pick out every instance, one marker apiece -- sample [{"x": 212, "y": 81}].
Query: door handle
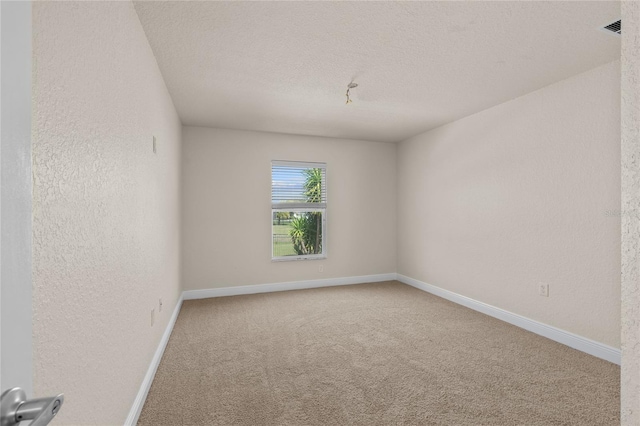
[{"x": 15, "y": 408}]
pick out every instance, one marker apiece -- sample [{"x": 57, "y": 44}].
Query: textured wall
[
  {"x": 226, "y": 212},
  {"x": 105, "y": 208},
  {"x": 630, "y": 207},
  {"x": 522, "y": 193}
]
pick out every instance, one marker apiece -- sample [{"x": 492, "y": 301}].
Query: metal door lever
[{"x": 15, "y": 408}]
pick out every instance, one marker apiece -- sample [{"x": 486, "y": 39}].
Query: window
[{"x": 298, "y": 210}]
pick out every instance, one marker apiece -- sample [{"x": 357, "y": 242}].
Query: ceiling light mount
[{"x": 350, "y": 86}]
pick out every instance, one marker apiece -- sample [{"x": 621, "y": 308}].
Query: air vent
[{"x": 614, "y": 28}]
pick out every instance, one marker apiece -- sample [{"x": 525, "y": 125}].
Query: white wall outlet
[
  {"x": 543, "y": 289},
  {"x": 321, "y": 268},
  {"x": 154, "y": 145},
  {"x": 160, "y": 305},
  {"x": 153, "y": 317}
]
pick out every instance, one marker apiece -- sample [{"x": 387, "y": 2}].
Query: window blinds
[{"x": 297, "y": 185}]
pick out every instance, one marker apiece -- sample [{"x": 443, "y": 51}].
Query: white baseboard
[
  {"x": 574, "y": 341},
  {"x": 141, "y": 397},
  {"x": 293, "y": 285}
]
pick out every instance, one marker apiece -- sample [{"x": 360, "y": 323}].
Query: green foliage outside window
[{"x": 306, "y": 228}]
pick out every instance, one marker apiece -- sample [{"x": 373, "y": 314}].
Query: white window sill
[{"x": 291, "y": 258}]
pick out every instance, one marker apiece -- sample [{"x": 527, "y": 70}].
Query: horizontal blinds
[{"x": 298, "y": 185}]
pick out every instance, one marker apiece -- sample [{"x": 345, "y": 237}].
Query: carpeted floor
[{"x": 369, "y": 354}]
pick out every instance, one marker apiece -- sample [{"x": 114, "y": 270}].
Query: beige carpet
[{"x": 369, "y": 354}]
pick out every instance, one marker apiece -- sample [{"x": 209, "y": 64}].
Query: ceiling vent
[{"x": 614, "y": 28}]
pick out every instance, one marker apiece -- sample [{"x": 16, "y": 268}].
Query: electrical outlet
[
  {"x": 154, "y": 145},
  {"x": 160, "y": 305},
  {"x": 321, "y": 268},
  {"x": 153, "y": 317},
  {"x": 543, "y": 289}
]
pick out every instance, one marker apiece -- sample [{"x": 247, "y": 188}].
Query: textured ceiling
[{"x": 284, "y": 66}]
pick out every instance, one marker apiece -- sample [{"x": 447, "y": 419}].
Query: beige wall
[
  {"x": 105, "y": 208},
  {"x": 630, "y": 207},
  {"x": 523, "y": 193},
  {"x": 227, "y": 207}
]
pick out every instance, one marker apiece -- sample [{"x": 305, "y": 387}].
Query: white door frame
[{"x": 16, "y": 353}]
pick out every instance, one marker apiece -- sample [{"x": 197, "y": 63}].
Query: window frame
[{"x": 285, "y": 207}]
